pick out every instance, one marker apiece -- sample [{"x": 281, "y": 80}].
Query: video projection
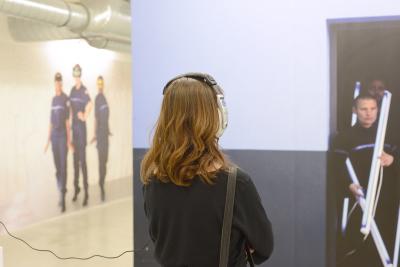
[
  {"x": 66, "y": 112},
  {"x": 365, "y": 163}
]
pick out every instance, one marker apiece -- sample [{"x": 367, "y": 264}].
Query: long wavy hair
[{"x": 185, "y": 142}]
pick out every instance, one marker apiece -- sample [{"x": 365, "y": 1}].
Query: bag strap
[{"x": 228, "y": 214}]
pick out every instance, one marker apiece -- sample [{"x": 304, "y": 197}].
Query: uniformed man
[
  {"x": 59, "y": 136},
  {"x": 102, "y": 132},
  {"x": 358, "y": 144},
  {"x": 81, "y": 106}
]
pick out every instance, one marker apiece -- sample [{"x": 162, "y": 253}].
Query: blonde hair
[{"x": 184, "y": 143}]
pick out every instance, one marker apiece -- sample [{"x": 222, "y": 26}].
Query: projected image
[
  {"x": 67, "y": 108},
  {"x": 366, "y": 146},
  {"x": 79, "y": 105},
  {"x": 66, "y": 129}
]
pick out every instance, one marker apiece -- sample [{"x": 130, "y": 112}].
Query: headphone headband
[{"x": 202, "y": 77}]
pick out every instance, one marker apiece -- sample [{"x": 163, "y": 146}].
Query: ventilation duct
[
  {"x": 53, "y": 12},
  {"x": 103, "y": 43},
  {"x": 102, "y": 23},
  {"x": 28, "y": 31}
]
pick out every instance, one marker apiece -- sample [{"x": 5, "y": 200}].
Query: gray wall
[{"x": 292, "y": 186}]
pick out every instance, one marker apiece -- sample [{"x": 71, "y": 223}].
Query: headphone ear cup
[
  {"x": 220, "y": 125},
  {"x": 222, "y": 115}
]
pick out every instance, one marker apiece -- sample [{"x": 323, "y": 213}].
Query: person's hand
[
  {"x": 46, "y": 147},
  {"x": 93, "y": 140},
  {"x": 386, "y": 159},
  {"x": 356, "y": 190},
  {"x": 81, "y": 116}
]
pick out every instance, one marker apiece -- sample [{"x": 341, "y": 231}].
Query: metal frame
[
  {"x": 380, "y": 245},
  {"x": 376, "y": 162},
  {"x": 397, "y": 242},
  {"x": 344, "y": 214},
  {"x": 357, "y": 90}
]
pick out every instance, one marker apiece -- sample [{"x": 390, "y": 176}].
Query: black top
[
  {"x": 357, "y": 143},
  {"x": 185, "y": 223},
  {"x": 59, "y": 114}
]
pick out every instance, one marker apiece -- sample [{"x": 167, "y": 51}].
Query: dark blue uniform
[
  {"x": 58, "y": 118},
  {"x": 102, "y": 113},
  {"x": 79, "y": 99}
]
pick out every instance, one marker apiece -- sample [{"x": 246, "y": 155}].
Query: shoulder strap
[{"x": 228, "y": 214}]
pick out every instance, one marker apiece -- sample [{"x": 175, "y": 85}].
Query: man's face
[
  {"x": 377, "y": 89},
  {"x": 366, "y": 111}
]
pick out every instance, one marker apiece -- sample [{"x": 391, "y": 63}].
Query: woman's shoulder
[
  {"x": 153, "y": 182},
  {"x": 242, "y": 177},
  {"x": 246, "y": 190}
]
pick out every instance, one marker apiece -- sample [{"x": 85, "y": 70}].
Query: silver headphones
[{"x": 209, "y": 80}]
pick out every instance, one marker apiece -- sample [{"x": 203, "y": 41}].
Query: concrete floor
[
  {"x": 105, "y": 229},
  {"x": 41, "y": 204}
]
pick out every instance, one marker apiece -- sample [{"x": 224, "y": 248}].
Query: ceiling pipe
[
  {"x": 103, "y": 43},
  {"x": 54, "y": 12},
  {"x": 28, "y": 31},
  {"x": 102, "y": 23},
  {"x": 109, "y": 18}
]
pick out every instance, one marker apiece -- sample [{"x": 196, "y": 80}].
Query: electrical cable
[{"x": 144, "y": 248}]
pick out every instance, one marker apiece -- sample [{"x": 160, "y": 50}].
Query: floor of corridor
[{"x": 105, "y": 229}]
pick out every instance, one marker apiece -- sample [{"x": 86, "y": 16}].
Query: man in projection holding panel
[{"x": 358, "y": 143}]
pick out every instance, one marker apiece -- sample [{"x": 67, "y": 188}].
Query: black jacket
[
  {"x": 357, "y": 143},
  {"x": 185, "y": 222}
]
